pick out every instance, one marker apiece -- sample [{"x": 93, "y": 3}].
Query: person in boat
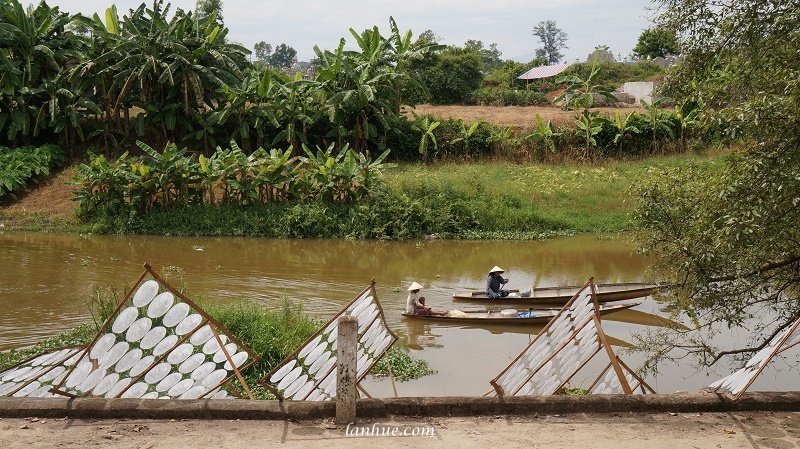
[
  {"x": 495, "y": 283},
  {"x": 416, "y": 305},
  {"x": 412, "y": 302}
]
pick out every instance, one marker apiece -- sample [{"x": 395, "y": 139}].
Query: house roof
[{"x": 544, "y": 71}]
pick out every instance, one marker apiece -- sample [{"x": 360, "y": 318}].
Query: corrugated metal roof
[{"x": 544, "y": 71}]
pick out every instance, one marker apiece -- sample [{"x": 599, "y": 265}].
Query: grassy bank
[{"x": 459, "y": 201}]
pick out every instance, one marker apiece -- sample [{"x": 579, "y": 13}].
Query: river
[{"x": 46, "y": 282}]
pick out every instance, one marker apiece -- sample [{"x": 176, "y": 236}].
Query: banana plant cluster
[
  {"x": 19, "y": 166},
  {"x": 71, "y": 78},
  {"x": 176, "y": 178},
  {"x": 175, "y": 77},
  {"x": 354, "y": 99}
]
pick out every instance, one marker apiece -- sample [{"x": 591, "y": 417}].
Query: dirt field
[
  {"x": 519, "y": 116},
  {"x": 752, "y": 430}
]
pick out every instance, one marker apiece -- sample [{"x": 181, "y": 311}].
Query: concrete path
[
  {"x": 692, "y": 420},
  {"x": 775, "y": 430}
]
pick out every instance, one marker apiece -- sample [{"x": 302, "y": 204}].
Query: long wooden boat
[
  {"x": 511, "y": 316},
  {"x": 555, "y": 296}
]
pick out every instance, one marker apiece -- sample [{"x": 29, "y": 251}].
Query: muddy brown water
[{"x": 46, "y": 282}]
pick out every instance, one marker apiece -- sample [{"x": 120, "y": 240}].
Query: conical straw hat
[
  {"x": 497, "y": 269},
  {"x": 415, "y": 286}
]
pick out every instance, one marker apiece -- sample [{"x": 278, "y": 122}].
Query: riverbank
[{"x": 460, "y": 201}]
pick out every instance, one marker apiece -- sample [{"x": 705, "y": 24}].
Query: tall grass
[{"x": 526, "y": 201}]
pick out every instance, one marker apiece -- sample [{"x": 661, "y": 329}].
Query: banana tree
[
  {"x": 371, "y": 170},
  {"x": 174, "y": 64},
  {"x": 101, "y": 184},
  {"x": 238, "y": 174},
  {"x": 295, "y": 113},
  {"x": 405, "y": 50},
  {"x": 36, "y": 49},
  {"x": 624, "y": 128},
  {"x": 688, "y": 116},
  {"x": 464, "y": 134},
  {"x": 580, "y": 93},
  {"x": 545, "y": 133},
  {"x": 658, "y": 119},
  {"x": 426, "y": 126},
  {"x": 503, "y": 139},
  {"x": 319, "y": 176},
  {"x": 275, "y": 173},
  {"x": 589, "y": 124},
  {"x": 171, "y": 174}
]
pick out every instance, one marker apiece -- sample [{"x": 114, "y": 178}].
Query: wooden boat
[
  {"x": 511, "y": 316},
  {"x": 558, "y": 296}
]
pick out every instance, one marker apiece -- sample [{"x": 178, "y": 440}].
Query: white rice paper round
[
  {"x": 142, "y": 365},
  {"x": 118, "y": 387},
  {"x": 160, "y": 305},
  {"x": 136, "y": 390},
  {"x": 158, "y": 372},
  {"x": 278, "y": 375},
  {"x": 203, "y": 370},
  {"x": 124, "y": 320},
  {"x": 138, "y": 329},
  {"x": 212, "y": 346},
  {"x": 102, "y": 345},
  {"x": 214, "y": 378},
  {"x": 79, "y": 374},
  {"x": 180, "y": 387},
  {"x": 128, "y": 360},
  {"x": 105, "y": 384},
  {"x": 91, "y": 380},
  {"x": 165, "y": 344},
  {"x": 188, "y": 324},
  {"x": 114, "y": 354},
  {"x": 153, "y": 337},
  {"x": 177, "y": 313},
  {"x": 146, "y": 293},
  {"x": 201, "y": 335},
  {"x": 194, "y": 392},
  {"x": 220, "y": 356},
  {"x": 181, "y": 353},
  {"x": 167, "y": 382},
  {"x": 192, "y": 363},
  {"x": 238, "y": 359},
  {"x": 27, "y": 389}
]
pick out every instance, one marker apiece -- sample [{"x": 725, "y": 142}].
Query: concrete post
[{"x": 346, "y": 373}]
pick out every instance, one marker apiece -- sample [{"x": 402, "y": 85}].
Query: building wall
[{"x": 641, "y": 90}]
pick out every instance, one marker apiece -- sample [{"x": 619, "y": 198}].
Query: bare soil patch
[
  {"x": 517, "y": 116},
  {"x": 51, "y": 197}
]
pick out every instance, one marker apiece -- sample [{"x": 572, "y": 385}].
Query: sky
[{"x": 302, "y": 24}]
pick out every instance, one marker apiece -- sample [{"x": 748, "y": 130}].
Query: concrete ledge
[{"x": 95, "y": 408}]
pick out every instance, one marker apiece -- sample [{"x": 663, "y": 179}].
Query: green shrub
[
  {"x": 503, "y": 96},
  {"x": 403, "y": 366},
  {"x": 19, "y": 166}
]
